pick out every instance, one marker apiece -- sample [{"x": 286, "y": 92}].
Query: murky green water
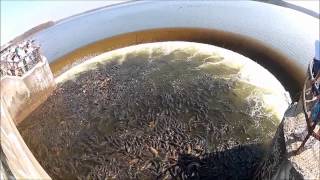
[{"x": 157, "y": 111}]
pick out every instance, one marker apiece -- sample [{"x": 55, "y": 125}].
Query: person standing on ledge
[
  {"x": 313, "y": 118},
  {"x": 316, "y": 60}
]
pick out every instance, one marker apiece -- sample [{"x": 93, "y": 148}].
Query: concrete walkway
[{"x": 307, "y": 163}]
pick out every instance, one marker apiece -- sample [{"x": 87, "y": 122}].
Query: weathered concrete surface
[
  {"x": 280, "y": 163},
  {"x": 20, "y": 96},
  {"x": 16, "y": 155},
  {"x": 306, "y": 163}
]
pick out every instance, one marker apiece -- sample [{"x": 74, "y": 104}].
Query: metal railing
[
  {"x": 15, "y": 64},
  {"x": 308, "y": 102}
]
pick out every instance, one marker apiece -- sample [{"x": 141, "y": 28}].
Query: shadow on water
[{"x": 239, "y": 162}]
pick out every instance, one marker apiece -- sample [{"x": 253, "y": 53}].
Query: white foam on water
[{"x": 275, "y": 97}]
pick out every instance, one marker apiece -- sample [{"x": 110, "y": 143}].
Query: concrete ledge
[
  {"x": 280, "y": 164},
  {"x": 19, "y": 97},
  {"x": 307, "y": 163},
  {"x": 23, "y": 94}
]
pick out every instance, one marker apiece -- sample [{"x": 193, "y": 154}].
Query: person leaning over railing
[{"x": 314, "y": 118}]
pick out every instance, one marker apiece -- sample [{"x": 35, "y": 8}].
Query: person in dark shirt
[
  {"x": 316, "y": 70},
  {"x": 315, "y": 111},
  {"x": 315, "y": 114},
  {"x": 314, "y": 118},
  {"x": 316, "y": 59}
]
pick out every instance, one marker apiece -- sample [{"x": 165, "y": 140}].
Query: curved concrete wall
[
  {"x": 19, "y": 97},
  {"x": 289, "y": 31}
]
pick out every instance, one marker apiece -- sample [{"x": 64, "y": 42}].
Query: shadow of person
[{"x": 239, "y": 162}]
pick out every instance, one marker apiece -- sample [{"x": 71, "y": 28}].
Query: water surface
[{"x": 159, "y": 110}]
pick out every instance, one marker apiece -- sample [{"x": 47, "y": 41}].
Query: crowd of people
[{"x": 18, "y": 59}]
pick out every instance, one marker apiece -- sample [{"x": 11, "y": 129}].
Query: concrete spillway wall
[
  {"x": 275, "y": 27},
  {"x": 281, "y": 163},
  {"x": 26, "y": 92},
  {"x": 19, "y": 97}
]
